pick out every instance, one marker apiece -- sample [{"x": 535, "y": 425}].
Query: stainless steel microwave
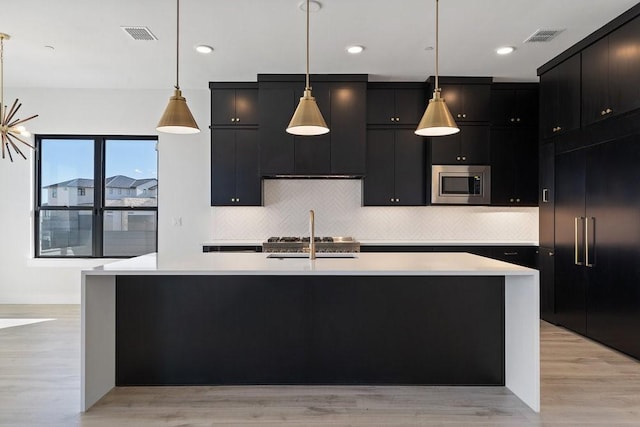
[{"x": 460, "y": 185}]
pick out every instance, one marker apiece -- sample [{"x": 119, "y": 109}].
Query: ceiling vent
[
  {"x": 543, "y": 36},
  {"x": 139, "y": 33}
]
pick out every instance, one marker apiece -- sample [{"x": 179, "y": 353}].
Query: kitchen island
[{"x": 377, "y": 318}]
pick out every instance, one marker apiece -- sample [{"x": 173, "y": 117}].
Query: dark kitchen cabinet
[
  {"x": 598, "y": 243},
  {"x": 468, "y": 98},
  {"x": 514, "y": 104},
  {"x": 546, "y": 258},
  {"x": 396, "y": 168},
  {"x": 546, "y": 194},
  {"x": 393, "y": 104},
  {"x": 611, "y": 74},
  {"x": 343, "y": 106},
  {"x": 234, "y": 104},
  {"x": 514, "y": 166},
  {"x": 560, "y": 98},
  {"x": 235, "y": 176},
  {"x": 469, "y": 146}
]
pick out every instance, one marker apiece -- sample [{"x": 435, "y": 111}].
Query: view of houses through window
[{"x": 97, "y": 197}]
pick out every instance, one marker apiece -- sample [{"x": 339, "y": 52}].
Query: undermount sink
[{"x": 282, "y": 255}]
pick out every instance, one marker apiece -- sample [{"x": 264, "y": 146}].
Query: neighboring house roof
[
  {"x": 117, "y": 181},
  {"x": 77, "y": 182}
]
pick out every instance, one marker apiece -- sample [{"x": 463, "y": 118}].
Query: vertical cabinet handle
[
  {"x": 576, "y": 247},
  {"x": 545, "y": 195},
  {"x": 586, "y": 239}
]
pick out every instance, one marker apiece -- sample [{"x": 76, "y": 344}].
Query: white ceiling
[{"x": 267, "y": 36}]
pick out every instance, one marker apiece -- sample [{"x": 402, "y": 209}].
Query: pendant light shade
[
  {"x": 177, "y": 118},
  {"x": 437, "y": 119},
  {"x": 307, "y": 120}
]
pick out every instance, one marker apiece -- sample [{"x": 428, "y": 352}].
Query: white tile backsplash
[{"x": 338, "y": 212}]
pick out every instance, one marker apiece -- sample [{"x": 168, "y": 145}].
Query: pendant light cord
[
  {"x": 1, "y": 73},
  {"x": 177, "y": 86},
  {"x": 437, "y": 85},
  {"x": 307, "y": 80}
]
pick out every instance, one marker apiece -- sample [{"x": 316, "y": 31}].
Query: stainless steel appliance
[
  {"x": 301, "y": 244},
  {"x": 461, "y": 185}
]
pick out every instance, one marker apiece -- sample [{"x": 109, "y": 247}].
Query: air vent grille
[
  {"x": 139, "y": 33},
  {"x": 543, "y": 36}
]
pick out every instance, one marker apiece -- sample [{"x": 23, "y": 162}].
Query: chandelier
[{"x": 12, "y": 129}]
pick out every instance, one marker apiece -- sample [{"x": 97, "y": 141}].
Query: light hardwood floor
[{"x": 583, "y": 384}]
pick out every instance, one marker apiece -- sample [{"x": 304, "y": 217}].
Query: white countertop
[
  {"x": 374, "y": 264},
  {"x": 391, "y": 243}
]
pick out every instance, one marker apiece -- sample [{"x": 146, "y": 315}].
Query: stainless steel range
[{"x": 301, "y": 244}]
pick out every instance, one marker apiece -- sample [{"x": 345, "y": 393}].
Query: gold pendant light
[
  {"x": 177, "y": 118},
  {"x": 307, "y": 119},
  {"x": 437, "y": 119},
  {"x": 11, "y": 129}
]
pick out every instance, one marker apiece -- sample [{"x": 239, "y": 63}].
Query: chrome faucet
[{"x": 312, "y": 236}]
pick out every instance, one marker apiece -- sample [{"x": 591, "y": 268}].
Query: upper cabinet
[
  {"x": 514, "y": 104},
  {"x": 611, "y": 74},
  {"x": 560, "y": 98},
  {"x": 395, "y": 103},
  {"x": 342, "y": 102},
  {"x": 468, "y": 98},
  {"x": 234, "y": 104}
]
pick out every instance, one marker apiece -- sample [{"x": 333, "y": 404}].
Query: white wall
[{"x": 185, "y": 218}]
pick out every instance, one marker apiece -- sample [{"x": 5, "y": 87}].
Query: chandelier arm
[
  {"x": 13, "y": 135},
  {"x": 17, "y": 122},
  {"x": 15, "y": 147},
  {"x": 12, "y": 111},
  {"x": 3, "y": 143}
]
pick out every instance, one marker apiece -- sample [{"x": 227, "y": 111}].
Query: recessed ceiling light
[
  {"x": 203, "y": 48},
  {"x": 355, "y": 49},
  {"x": 314, "y": 6},
  {"x": 505, "y": 50}
]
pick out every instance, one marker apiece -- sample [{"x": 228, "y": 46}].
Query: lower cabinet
[
  {"x": 396, "y": 169},
  {"x": 235, "y": 168}
]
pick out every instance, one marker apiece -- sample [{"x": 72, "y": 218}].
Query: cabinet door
[
  {"x": 276, "y": 145},
  {"x": 445, "y": 150},
  {"x": 381, "y": 106},
  {"x": 624, "y": 67},
  {"x": 348, "y": 128},
  {"x": 613, "y": 210},
  {"x": 568, "y": 107},
  {"x": 546, "y": 195},
  {"x": 223, "y": 167},
  {"x": 503, "y": 107},
  {"x": 526, "y": 107},
  {"x": 477, "y": 103},
  {"x": 378, "y": 184},
  {"x": 503, "y": 166},
  {"x": 223, "y": 106},
  {"x": 525, "y": 160},
  {"x": 409, "y": 105},
  {"x": 410, "y": 169},
  {"x": 248, "y": 181},
  {"x": 570, "y": 289},
  {"x": 595, "y": 81},
  {"x": 546, "y": 265},
  {"x": 474, "y": 145},
  {"x": 548, "y": 102},
  {"x": 246, "y": 107}
]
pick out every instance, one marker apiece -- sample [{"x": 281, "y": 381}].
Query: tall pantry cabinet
[{"x": 592, "y": 286}]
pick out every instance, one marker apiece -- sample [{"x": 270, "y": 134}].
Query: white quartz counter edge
[
  {"x": 391, "y": 243},
  {"x": 382, "y": 263}
]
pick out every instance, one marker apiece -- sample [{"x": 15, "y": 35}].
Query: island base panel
[{"x": 205, "y": 330}]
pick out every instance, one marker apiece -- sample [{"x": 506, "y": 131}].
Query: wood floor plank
[{"x": 582, "y": 383}]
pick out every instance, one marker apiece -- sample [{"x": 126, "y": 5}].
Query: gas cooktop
[{"x": 301, "y": 244}]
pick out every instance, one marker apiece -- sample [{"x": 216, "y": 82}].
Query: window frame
[{"x": 99, "y": 206}]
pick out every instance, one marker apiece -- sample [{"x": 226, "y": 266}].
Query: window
[{"x": 86, "y": 220}]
